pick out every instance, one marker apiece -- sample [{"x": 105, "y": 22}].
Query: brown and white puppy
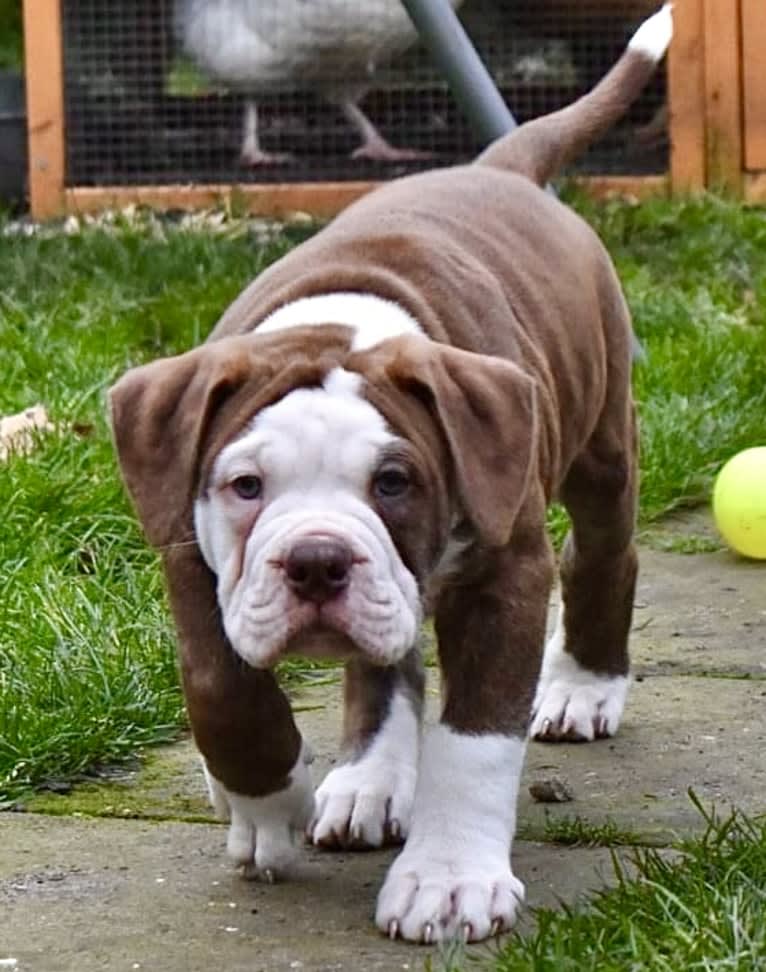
[{"x": 373, "y": 432}]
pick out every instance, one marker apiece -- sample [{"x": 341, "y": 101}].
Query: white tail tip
[{"x": 653, "y": 37}]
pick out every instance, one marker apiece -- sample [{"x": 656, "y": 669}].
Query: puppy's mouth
[{"x": 318, "y": 638}]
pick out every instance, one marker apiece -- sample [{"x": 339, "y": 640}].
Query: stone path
[{"x": 144, "y": 883}]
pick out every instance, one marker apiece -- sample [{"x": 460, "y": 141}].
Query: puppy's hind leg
[{"x": 584, "y": 680}]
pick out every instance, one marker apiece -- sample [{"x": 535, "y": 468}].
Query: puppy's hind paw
[{"x": 578, "y": 707}]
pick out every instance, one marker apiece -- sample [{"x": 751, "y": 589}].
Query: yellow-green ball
[{"x": 739, "y": 502}]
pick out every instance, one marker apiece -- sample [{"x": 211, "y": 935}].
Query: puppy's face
[
  {"x": 320, "y": 483},
  {"x": 316, "y": 520}
]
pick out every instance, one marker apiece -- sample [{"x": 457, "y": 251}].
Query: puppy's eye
[
  {"x": 247, "y": 487},
  {"x": 391, "y": 482}
]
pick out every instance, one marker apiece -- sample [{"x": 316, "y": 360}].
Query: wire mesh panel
[{"x": 214, "y": 91}]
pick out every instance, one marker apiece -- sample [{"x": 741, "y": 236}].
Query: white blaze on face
[{"x": 305, "y": 465}]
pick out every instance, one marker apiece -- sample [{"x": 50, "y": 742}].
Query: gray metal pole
[{"x": 455, "y": 56}]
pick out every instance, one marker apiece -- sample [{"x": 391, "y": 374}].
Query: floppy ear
[
  {"x": 487, "y": 409},
  {"x": 160, "y": 415},
  {"x": 168, "y": 415}
]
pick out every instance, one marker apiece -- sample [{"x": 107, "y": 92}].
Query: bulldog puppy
[{"x": 372, "y": 433}]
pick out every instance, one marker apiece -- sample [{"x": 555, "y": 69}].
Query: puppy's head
[{"x": 322, "y": 484}]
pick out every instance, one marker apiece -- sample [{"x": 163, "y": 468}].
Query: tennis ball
[{"x": 739, "y": 502}]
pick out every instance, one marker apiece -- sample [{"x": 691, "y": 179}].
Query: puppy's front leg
[
  {"x": 265, "y": 830},
  {"x": 454, "y": 875},
  {"x": 256, "y": 764}
]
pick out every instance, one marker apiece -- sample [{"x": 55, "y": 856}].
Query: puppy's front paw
[
  {"x": 453, "y": 877},
  {"x": 363, "y": 805},
  {"x": 430, "y": 895},
  {"x": 264, "y": 832},
  {"x": 573, "y": 704}
]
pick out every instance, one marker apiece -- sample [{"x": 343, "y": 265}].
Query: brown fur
[
  {"x": 241, "y": 719},
  {"x": 521, "y": 395}
]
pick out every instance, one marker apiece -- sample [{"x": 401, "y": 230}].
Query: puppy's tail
[{"x": 541, "y": 148}]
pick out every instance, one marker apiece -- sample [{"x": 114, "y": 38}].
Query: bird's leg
[
  {"x": 655, "y": 130},
  {"x": 374, "y": 146},
  {"x": 251, "y": 153}
]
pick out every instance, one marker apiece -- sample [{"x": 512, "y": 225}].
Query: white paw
[
  {"x": 578, "y": 709},
  {"x": 359, "y": 806},
  {"x": 368, "y": 803},
  {"x": 572, "y": 703},
  {"x": 453, "y": 877},
  {"x": 264, "y": 832},
  {"x": 429, "y": 896}
]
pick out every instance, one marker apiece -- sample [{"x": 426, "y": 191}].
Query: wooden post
[
  {"x": 43, "y": 60},
  {"x": 723, "y": 94},
  {"x": 686, "y": 97},
  {"x": 754, "y": 82}
]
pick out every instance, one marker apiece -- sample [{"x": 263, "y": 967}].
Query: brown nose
[{"x": 318, "y": 568}]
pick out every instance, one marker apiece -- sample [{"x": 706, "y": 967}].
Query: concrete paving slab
[
  {"x": 89, "y": 894},
  {"x": 679, "y": 732},
  {"x": 700, "y": 614},
  {"x": 79, "y": 895},
  {"x": 128, "y": 890}
]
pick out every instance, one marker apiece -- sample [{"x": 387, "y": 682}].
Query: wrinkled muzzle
[{"x": 321, "y": 583}]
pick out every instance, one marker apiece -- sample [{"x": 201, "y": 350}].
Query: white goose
[{"x": 332, "y": 47}]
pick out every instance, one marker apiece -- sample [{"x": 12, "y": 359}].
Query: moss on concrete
[{"x": 164, "y": 784}]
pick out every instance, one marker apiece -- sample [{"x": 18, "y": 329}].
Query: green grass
[
  {"x": 87, "y": 667},
  {"x": 700, "y": 909},
  {"x": 577, "y": 832},
  {"x": 87, "y": 671},
  {"x": 684, "y": 543},
  {"x": 693, "y": 275},
  {"x": 11, "y": 54}
]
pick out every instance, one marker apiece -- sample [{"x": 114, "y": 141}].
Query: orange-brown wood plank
[
  {"x": 624, "y": 187},
  {"x": 755, "y": 188},
  {"x": 686, "y": 96},
  {"x": 754, "y": 82},
  {"x": 279, "y": 201},
  {"x": 45, "y": 106},
  {"x": 282, "y": 201},
  {"x": 723, "y": 93}
]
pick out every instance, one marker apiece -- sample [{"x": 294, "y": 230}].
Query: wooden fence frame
[{"x": 716, "y": 112}]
